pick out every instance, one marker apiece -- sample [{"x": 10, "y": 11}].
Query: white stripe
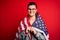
[
  {"x": 22, "y": 25},
  {"x": 41, "y": 32},
  {"x": 25, "y": 21},
  {"x": 16, "y": 35},
  {"x": 48, "y": 36}
]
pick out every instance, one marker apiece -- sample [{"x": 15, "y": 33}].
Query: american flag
[{"x": 39, "y": 25}]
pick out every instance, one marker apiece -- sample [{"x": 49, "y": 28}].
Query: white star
[
  {"x": 40, "y": 25},
  {"x": 38, "y": 18},
  {"x": 36, "y": 25},
  {"x": 43, "y": 27},
  {"x": 36, "y": 22},
  {"x": 41, "y": 19},
  {"x": 39, "y": 15}
]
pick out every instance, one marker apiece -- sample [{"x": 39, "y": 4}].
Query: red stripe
[
  {"x": 20, "y": 28},
  {"x": 24, "y": 26},
  {"x": 30, "y": 26},
  {"x": 30, "y": 36},
  {"x": 28, "y": 22}
]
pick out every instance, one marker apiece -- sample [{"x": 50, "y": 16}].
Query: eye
[
  {"x": 29, "y": 9},
  {"x": 33, "y": 9}
]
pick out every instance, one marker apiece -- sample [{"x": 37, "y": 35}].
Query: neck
[{"x": 32, "y": 18}]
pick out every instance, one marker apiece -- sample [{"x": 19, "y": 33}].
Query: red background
[{"x": 12, "y": 11}]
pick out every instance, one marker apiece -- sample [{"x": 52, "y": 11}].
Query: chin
[{"x": 31, "y": 15}]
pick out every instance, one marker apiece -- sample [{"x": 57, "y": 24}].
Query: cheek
[
  {"x": 28, "y": 11},
  {"x": 34, "y": 11}
]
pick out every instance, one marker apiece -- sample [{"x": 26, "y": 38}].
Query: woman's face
[{"x": 32, "y": 10}]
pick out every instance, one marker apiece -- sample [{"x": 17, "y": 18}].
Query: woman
[{"x": 32, "y": 26}]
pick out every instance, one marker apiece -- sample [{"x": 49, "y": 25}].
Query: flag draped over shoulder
[{"x": 39, "y": 25}]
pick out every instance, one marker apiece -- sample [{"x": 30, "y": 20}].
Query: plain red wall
[{"x": 12, "y": 11}]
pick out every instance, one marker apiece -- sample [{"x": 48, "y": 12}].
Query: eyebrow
[{"x": 32, "y": 8}]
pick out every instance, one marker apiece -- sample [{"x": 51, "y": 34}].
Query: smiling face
[{"x": 32, "y": 10}]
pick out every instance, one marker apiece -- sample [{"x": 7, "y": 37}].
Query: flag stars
[
  {"x": 40, "y": 25},
  {"x": 39, "y": 15},
  {"x": 43, "y": 27},
  {"x": 41, "y": 20},
  {"x": 36, "y": 25},
  {"x": 38, "y": 18},
  {"x": 36, "y": 22}
]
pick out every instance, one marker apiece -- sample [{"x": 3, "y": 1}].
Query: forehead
[{"x": 31, "y": 6}]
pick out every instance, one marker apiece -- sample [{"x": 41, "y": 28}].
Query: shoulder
[{"x": 23, "y": 19}]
